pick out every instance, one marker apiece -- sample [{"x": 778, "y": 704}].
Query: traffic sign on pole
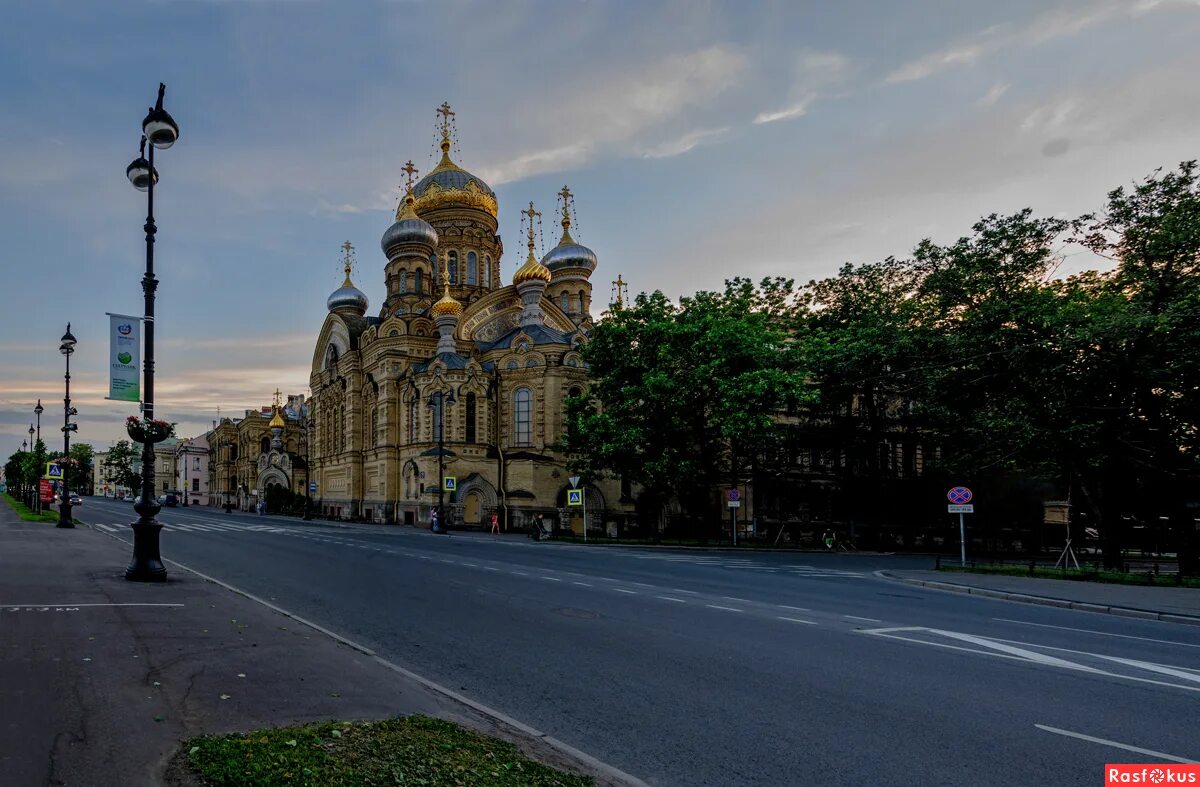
[
  {"x": 733, "y": 496},
  {"x": 574, "y": 481},
  {"x": 959, "y": 495},
  {"x": 312, "y": 486},
  {"x": 961, "y": 509},
  {"x": 574, "y": 497},
  {"x": 451, "y": 483},
  {"x": 53, "y": 471}
]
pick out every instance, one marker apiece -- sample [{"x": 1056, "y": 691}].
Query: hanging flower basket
[{"x": 148, "y": 431}]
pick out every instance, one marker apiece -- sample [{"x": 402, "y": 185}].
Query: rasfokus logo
[
  {"x": 124, "y": 329},
  {"x": 1151, "y": 773}
]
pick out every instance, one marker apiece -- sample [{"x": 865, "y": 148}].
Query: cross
[
  {"x": 531, "y": 213},
  {"x": 277, "y": 397},
  {"x": 565, "y": 194},
  {"x": 411, "y": 173},
  {"x": 445, "y": 271},
  {"x": 444, "y": 111}
]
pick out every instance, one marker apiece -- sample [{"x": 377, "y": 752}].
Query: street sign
[
  {"x": 53, "y": 471},
  {"x": 959, "y": 495},
  {"x": 733, "y": 496},
  {"x": 45, "y": 491},
  {"x": 734, "y": 504},
  {"x": 451, "y": 483},
  {"x": 961, "y": 509},
  {"x": 312, "y": 486},
  {"x": 574, "y": 481},
  {"x": 574, "y": 497}
]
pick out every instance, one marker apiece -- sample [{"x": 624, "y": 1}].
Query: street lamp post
[
  {"x": 36, "y": 502},
  {"x": 307, "y": 420},
  {"x": 64, "y": 511},
  {"x": 38, "y": 412},
  {"x": 438, "y": 402},
  {"x": 161, "y": 131}
]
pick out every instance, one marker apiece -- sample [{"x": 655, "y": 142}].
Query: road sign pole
[
  {"x": 962, "y": 540},
  {"x": 585, "y": 521},
  {"x": 733, "y": 524}
]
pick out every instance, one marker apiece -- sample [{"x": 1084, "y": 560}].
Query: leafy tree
[
  {"x": 682, "y": 394},
  {"x": 121, "y": 458}
]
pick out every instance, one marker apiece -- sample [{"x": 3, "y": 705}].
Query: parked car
[{"x": 169, "y": 500}]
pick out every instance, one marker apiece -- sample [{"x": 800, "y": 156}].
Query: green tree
[
  {"x": 682, "y": 396},
  {"x": 121, "y": 458}
]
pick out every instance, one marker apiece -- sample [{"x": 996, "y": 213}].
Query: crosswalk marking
[{"x": 747, "y": 564}]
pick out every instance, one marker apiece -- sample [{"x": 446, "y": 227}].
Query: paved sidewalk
[
  {"x": 101, "y": 678},
  {"x": 1180, "y": 605}
]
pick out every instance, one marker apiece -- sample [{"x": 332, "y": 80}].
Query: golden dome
[
  {"x": 277, "y": 421},
  {"x": 449, "y": 184},
  {"x": 532, "y": 269},
  {"x": 446, "y": 305}
]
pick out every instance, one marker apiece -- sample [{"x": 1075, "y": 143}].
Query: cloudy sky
[{"x": 702, "y": 139}]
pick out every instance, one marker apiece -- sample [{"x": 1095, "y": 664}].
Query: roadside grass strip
[
  {"x": 409, "y": 750},
  {"x": 23, "y": 511}
]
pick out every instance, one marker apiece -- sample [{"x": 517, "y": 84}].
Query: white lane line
[
  {"x": 796, "y": 609},
  {"x": 1155, "y": 754},
  {"x": 490, "y": 568},
  {"x": 622, "y": 590},
  {"x": 727, "y": 609},
  {"x": 552, "y": 579},
  {"x": 519, "y": 573},
  {"x": 797, "y": 620},
  {"x": 641, "y": 584},
  {"x": 472, "y": 565},
  {"x": 869, "y": 620},
  {"x": 670, "y": 598},
  {"x": 681, "y": 590},
  {"x": 735, "y": 598},
  {"x": 106, "y": 528},
  {"x": 581, "y": 584},
  {"x": 1093, "y": 631}
]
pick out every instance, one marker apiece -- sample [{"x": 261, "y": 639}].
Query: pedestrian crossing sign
[
  {"x": 451, "y": 483},
  {"x": 53, "y": 471},
  {"x": 574, "y": 497}
]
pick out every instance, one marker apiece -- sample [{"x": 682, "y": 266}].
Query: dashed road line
[
  {"x": 622, "y": 590},
  {"x": 552, "y": 579},
  {"x": 581, "y": 584},
  {"x": 797, "y": 620},
  {"x": 869, "y": 620},
  {"x": 727, "y": 609},
  {"x": 794, "y": 609},
  {"x": 671, "y": 598}
]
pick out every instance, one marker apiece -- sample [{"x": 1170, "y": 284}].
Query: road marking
[
  {"x": 1155, "y": 754},
  {"x": 489, "y": 568},
  {"x": 798, "y": 620},
  {"x": 472, "y": 565},
  {"x": 797, "y": 609},
  {"x": 1029, "y": 655},
  {"x": 622, "y": 590},
  {"x": 581, "y": 584},
  {"x": 669, "y": 598},
  {"x": 641, "y": 584},
  {"x": 552, "y": 579},
  {"x": 681, "y": 590},
  {"x": 735, "y": 598},
  {"x": 1093, "y": 631},
  {"x": 856, "y": 617},
  {"x": 93, "y": 605},
  {"x": 107, "y": 528},
  {"x": 519, "y": 573},
  {"x": 727, "y": 609}
]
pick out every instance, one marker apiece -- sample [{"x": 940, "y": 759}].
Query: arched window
[
  {"x": 331, "y": 357},
  {"x": 564, "y": 301},
  {"x": 403, "y": 281},
  {"x": 532, "y": 362},
  {"x": 438, "y": 423},
  {"x": 419, "y": 287},
  {"x": 412, "y": 420},
  {"x": 575, "y": 392},
  {"x": 452, "y": 266},
  {"x": 581, "y": 302},
  {"x": 433, "y": 261},
  {"x": 523, "y": 416},
  {"x": 487, "y": 270},
  {"x": 470, "y": 408},
  {"x": 512, "y": 365},
  {"x": 471, "y": 258},
  {"x": 374, "y": 428},
  {"x": 265, "y": 445}
]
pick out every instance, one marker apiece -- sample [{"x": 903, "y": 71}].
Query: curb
[
  {"x": 585, "y": 762},
  {"x": 1045, "y": 601}
]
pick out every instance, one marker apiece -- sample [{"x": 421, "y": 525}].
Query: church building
[{"x": 456, "y": 376}]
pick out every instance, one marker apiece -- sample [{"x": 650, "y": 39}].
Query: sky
[{"x": 702, "y": 139}]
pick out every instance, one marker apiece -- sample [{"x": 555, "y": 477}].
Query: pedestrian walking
[
  {"x": 433, "y": 521},
  {"x": 262, "y": 507},
  {"x": 495, "y": 524}
]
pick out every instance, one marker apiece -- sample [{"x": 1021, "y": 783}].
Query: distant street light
[
  {"x": 161, "y": 131},
  {"x": 64, "y": 511}
]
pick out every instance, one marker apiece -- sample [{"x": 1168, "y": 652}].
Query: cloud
[
  {"x": 993, "y": 95},
  {"x": 688, "y": 141},
  {"x": 1049, "y": 26},
  {"x": 610, "y": 111},
  {"x": 816, "y": 72}
]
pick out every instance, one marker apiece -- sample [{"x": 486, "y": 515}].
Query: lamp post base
[
  {"x": 64, "y": 516},
  {"x": 146, "y": 565}
]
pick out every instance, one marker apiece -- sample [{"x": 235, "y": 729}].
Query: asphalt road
[{"x": 711, "y": 668}]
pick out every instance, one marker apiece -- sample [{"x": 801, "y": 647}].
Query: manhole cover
[{"x": 571, "y": 612}]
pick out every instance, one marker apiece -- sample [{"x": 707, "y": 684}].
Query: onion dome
[
  {"x": 277, "y": 421},
  {"x": 409, "y": 228},
  {"x": 347, "y": 297},
  {"x": 449, "y": 184},
  {"x": 446, "y": 305},
  {"x": 532, "y": 269},
  {"x": 568, "y": 253}
]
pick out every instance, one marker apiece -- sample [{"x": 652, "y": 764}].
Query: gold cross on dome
[
  {"x": 277, "y": 398},
  {"x": 531, "y": 214},
  {"x": 444, "y": 111},
  {"x": 411, "y": 174}
]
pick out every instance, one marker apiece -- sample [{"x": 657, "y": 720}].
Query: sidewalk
[
  {"x": 1177, "y": 605},
  {"x": 100, "y": 678}
]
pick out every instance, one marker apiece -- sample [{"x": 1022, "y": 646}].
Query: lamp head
[
  {"x": 139, "y": 172},
  {"x": 39, "y": 409},
  {"x": 68, "y": 338},
  {"x": 159, "y": 127}
]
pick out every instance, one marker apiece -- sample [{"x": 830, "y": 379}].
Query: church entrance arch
[
  {"x": 472, "y": 510},
  {"x": 478, "y": 497}
]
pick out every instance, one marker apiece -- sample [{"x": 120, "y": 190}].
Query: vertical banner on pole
[{"x": 124, "y": 358}]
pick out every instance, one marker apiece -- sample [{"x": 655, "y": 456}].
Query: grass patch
[
  {"x": 414, "y": 750},
  {"x": 1080, "y": 575},
  {"x": 23, "y": 511}
]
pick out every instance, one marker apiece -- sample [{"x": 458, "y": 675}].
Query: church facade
[{"x": 456, "y": 375}]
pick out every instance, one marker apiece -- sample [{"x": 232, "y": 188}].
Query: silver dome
[
  {"x": 570, "y": 255},
  {"x": 347, "y": 297},
  {"x": 409, "y": 231}
]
